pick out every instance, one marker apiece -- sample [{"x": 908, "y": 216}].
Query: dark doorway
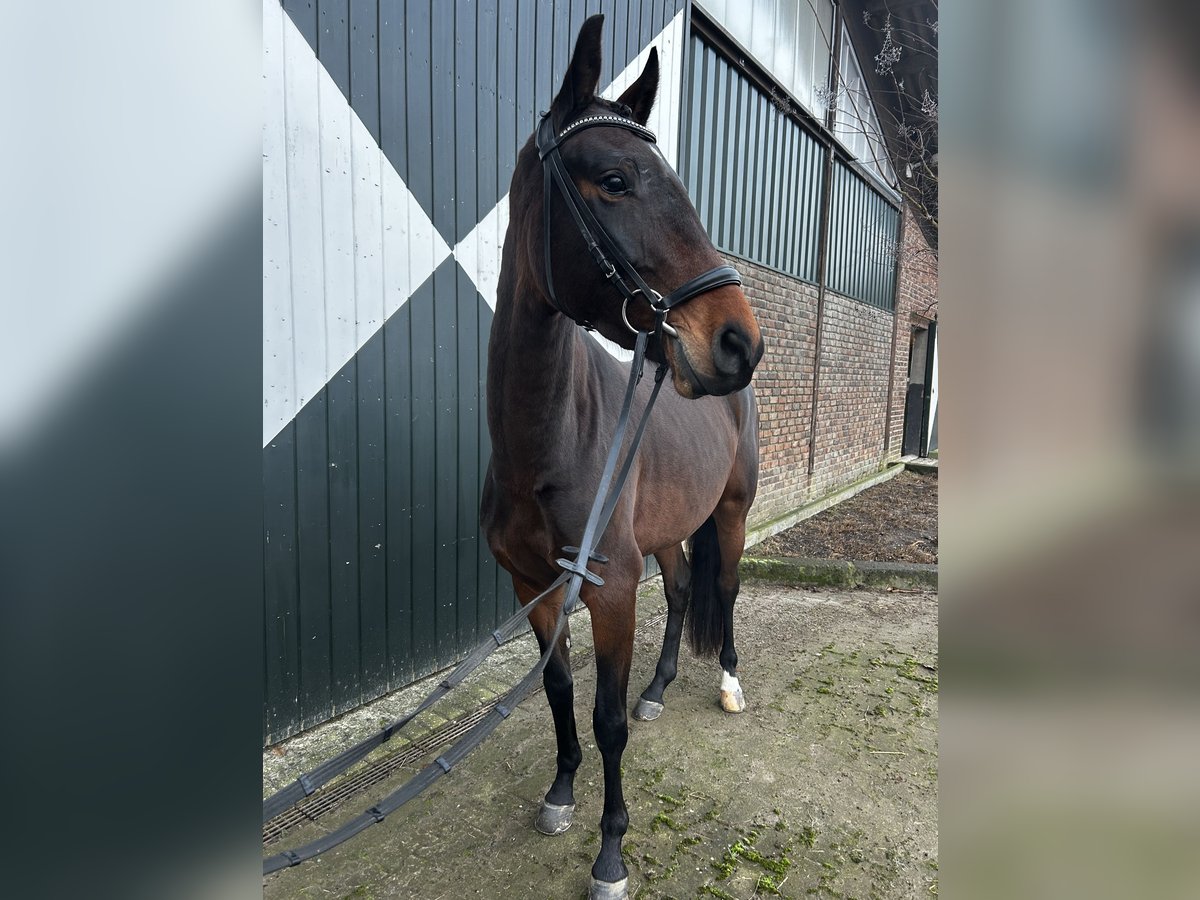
[{"x": 916, "y": 397}]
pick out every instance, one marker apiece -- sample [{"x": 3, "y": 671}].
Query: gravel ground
[
  {"x": 825, "y": 786},
  {"x": 896, "y": 521}
]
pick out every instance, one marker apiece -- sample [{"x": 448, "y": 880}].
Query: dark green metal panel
[
  {"x": 733, "y": 219},
  {"x": 280, "y": 585},
  {"x": 333, "y": 40},
  {"x": 364, "y": 62},
  {"x": 863, "y": 229},
  {"x": 465, "y": 151},
  {"x": 442, "y": 68},
  {"x": 418, "y": 170},
  {"x": 393, "y": 86},
  {"x": 424, "y": 461},
  {"x": 398, "y": 339},
  {"x": 312, "y": 533},
  {"x": 527, "y": 85},
  {"x": 372, "y": 513},
  {"x": 718, "y": 160},
  {"x": 496, "y": 107},
  {"x": 304, "y": 14},
  {"x": 466, "y": 535},
  {"x": 753, "y": 173},
  {"x": 445, "y": 558},
  {"x": 343, "y": 536}
]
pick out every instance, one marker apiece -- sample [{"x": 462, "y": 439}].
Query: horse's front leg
[
  {"x": 677, "y": 585},
  {"x": 558, "y": 807},
  {"x": 613, "y": 620}
]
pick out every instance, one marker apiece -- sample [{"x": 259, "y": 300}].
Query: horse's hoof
[
  {"x": 609, "y": 890},
  {"x": 647, "y": 710},
  {"x": 554, "y": 819},
  {"x": 732, "y": 699}
]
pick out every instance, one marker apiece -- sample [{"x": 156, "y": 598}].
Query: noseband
[{"x": 618, "y": 270}]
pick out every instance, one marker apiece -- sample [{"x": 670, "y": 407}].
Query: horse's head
[{"x": 712, "y": 342}]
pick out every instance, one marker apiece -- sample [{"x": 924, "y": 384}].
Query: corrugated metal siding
[
  {"x": 753, "y": 172},
  {"x": 390, "y": 137},
  {"x": 862, "y": 248}
]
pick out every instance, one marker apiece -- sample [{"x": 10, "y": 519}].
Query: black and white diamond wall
[{"x": 390, "y": 134}]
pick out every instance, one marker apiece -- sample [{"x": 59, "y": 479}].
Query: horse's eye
[{"x": 613, "y": 184}]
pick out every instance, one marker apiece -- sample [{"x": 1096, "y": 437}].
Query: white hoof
[
  {"x": 609, "y": 890},
  {"x": 647, "y": 710},
  {"x": 553, "y": 819},
  {"x": 732, "y": 698}
]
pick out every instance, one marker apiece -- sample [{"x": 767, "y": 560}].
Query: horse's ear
[
  {"x": 640, "y": 95},
  {"x": 583, "y": 74}
]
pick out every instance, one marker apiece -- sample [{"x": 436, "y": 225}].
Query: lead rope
[{"x": 575, "y": 573}]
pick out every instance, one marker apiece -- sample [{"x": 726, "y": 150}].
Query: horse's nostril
[{"x": 731, "y": 351}]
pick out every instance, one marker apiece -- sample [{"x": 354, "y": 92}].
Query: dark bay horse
[{"x": 553, "y": 398}]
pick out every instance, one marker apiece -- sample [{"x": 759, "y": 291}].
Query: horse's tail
[{"x": 705, "y": 618}]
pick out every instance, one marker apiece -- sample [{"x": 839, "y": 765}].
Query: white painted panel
[
  {"x": 278, "y": 370},
  {"x": 367, "y": 189},
  {"x": 336, "y": 332},
  {"x": 303, "y": 163},
  {"x": 427, "y": 249},
  {"x": 671, "y": 89},
  {"x": 763, "y": 36},
  {"x": 397, "y": 264},
  {"x": 783, "y": 52},
  {"x": 479, "y": 253},
  {"x": 715, "y": 8},
  {"x": 664, "y": 118},
  {"x": 345, "y": 243}
]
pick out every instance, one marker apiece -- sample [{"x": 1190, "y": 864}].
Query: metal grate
[{"x": 324, "y": 801}]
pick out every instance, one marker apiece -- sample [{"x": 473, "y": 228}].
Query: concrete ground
[{"x": 825, "y": 786}]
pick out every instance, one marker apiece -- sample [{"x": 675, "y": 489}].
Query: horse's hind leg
[
  {"x": 730, "y": 519},
  {"x": 716, "y": 551},
  {"x": 677, "y": 585},
  {"x": 558, "y": 807}
]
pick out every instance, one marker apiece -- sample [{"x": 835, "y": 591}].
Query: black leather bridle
[{"x": 618, "y": 270}]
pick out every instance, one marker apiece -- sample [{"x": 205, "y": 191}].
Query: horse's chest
[{"x": 526, "y": 528}]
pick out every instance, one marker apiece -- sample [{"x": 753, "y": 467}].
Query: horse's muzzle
[
  {"x": 732, "y": 365},
  {"x": 734, "y": 357}
]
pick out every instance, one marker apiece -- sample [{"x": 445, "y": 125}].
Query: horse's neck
[{"x": 536, "y": 380}]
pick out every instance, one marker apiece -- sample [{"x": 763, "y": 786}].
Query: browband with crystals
[{"x": 591, "y": 122}]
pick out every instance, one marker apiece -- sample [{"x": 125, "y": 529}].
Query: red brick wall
[
  {"x": 786, "y": 309},
  {"x": 852, "y": 412},
  {"x": 852, "y": 409}
]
